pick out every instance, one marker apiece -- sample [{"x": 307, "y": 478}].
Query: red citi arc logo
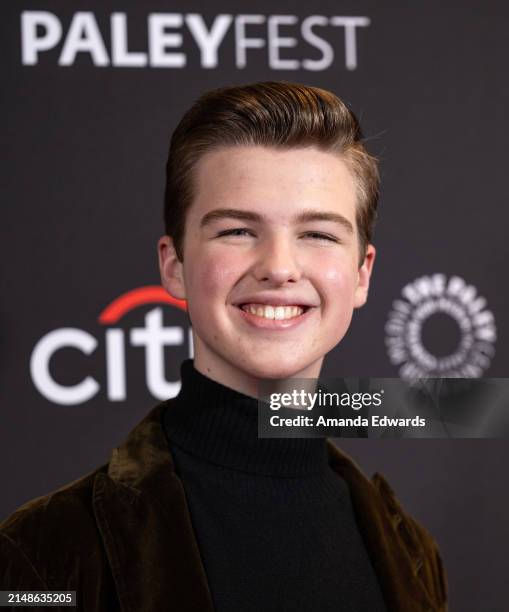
[
  {"x": 154, "y": 337},
  {"x": 135, "y": 298}
]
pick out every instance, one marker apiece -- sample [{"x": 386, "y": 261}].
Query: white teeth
[
  {"x": 267, "y": 312},
  {"x": 279, "y": 313},
  {"x": 273, "y": 312}
]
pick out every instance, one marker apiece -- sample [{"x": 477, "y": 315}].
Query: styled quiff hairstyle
[{"x": 274, "y": 114}]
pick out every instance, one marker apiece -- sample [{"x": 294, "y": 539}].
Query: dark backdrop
[{"x": 85, "y": 142}]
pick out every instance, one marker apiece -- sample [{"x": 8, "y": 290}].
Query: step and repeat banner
[{"x": 90, "y": 340}]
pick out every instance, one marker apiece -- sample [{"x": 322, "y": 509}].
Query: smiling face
[{"x": 268, "y": 227}]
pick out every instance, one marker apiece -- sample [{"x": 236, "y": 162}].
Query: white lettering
[
  {"x": 191, "y": 342},
  {"x": 276, "y": 41},
  {"x": 350, "y": 23},
  {"x": 115, "y": 365},
  {"x": 241, "y": 42},
  {"x": 42, "y": 30},
  {"x": 31, "y": 44},
  {"x": 316, "y": 41},
  {"x": 84, "y": 36},
  {"x": 120, "y": 56},
  {"x": 154, "y": 337},
  {"x": 160, "y": 40},
  {"x": 43, "y": 351},
  {"x": 208, "y": 41}
]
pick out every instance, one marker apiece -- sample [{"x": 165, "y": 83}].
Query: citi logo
[{"x": 154, "y": 337}]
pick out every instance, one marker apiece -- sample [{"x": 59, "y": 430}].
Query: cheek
[
  {"x": 212, "y": 277},
  {"x": 338, "y": 281}
]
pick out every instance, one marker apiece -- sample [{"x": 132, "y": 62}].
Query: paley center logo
[
  {"x": 154, "y": 336},
  {"x": 454, "y": 298}
]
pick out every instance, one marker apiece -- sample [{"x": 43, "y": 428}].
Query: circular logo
[{"x": 428, "y": 296}]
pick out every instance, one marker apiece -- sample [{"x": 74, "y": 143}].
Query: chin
[{"x": 275, "y": 369}]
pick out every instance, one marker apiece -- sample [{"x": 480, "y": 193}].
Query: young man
[{"x": 269, "y": 209}]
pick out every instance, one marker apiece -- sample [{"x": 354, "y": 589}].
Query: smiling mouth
[{"x": 277, "y": 313}]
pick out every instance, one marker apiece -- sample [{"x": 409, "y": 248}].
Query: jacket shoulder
[
  {"x": 420, "y": 545},
  {"x": 52, "y": 542}
]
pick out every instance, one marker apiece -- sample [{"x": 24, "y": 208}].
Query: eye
[
  {"x": 320, "y": 236},
  {"x": 238, "y": 231}
]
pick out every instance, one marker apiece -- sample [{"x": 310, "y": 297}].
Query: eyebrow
[{"x": 303, "y": 217}]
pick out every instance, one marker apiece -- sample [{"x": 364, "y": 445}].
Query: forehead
[{"x": 275, "y": 182}]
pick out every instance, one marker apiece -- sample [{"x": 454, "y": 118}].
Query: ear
[
  {"x": 363, "y": 278},
  {"x": 171, "y": 268}
]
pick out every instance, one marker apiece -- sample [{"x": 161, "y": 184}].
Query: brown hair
[{"x": 273, "y": 114}]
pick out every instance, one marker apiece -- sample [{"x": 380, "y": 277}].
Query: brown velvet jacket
[{"x": 122, "y": 537}]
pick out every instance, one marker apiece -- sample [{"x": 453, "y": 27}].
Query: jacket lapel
[
  {"x": 395, "y": 563},
  {"x": 142, "y": 514}
]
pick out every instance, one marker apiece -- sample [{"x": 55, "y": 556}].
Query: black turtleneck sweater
[{"x": 273, "y": 521}]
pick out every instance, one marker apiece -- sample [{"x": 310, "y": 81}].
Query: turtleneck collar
[{"x": 220, "y": 425}]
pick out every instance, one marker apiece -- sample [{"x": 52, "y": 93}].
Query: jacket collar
[{"x": 142, "y": 514}]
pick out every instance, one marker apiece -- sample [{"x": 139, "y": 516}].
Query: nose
[{"x": 277, "y": 262}]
